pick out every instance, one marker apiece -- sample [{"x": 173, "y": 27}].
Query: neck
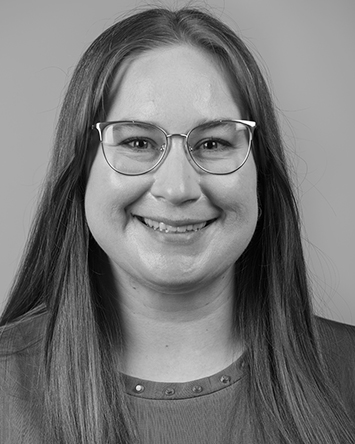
[{"x": 178, "y": 336}]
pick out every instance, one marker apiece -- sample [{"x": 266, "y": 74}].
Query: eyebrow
[{"x": 200, "y": 122}]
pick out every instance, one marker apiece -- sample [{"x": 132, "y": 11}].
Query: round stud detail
[
  {"x": 139, "y": 388},
  {"x": 169, "y": 392},
  {"x": 197, "y": 389},
  {"x": 225, "y": 379}
]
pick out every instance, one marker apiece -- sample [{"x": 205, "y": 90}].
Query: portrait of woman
[{"x": 163, "y": 296}]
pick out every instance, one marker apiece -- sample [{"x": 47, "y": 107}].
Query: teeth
[{"x": 165, "y": 228}]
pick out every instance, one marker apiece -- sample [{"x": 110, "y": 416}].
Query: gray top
[
  {"x": 201, "y": 411},
  {"x": 207, "y": 411}
]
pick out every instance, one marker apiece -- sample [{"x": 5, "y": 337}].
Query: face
[{"x": 205, "y": 221}]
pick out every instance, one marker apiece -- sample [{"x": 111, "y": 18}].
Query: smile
[{"x": 166, "y": 228}]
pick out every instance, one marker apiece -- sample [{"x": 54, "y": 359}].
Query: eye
[
  {"x": 138, "y": 144},
  {"x": 212, "y": 145}
]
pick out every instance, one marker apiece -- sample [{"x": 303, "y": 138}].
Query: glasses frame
[{"x": 100, "y": 126}]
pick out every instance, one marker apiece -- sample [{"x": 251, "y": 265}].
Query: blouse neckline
[{"x": 142, "y": 388}]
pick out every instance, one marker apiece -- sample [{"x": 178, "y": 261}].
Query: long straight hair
[{"x": 288, "y": 398}]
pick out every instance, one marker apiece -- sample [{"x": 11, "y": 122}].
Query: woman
[{"x": 163, "y": 295}]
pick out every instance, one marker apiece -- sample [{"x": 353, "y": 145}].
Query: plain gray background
[{"x": 307, "y": 51}]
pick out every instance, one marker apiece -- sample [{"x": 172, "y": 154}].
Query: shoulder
[
  {"x": 337, "y": 342},
  {"x": 337, "y": 339},
  {"x": 21, "y": 388},
  {"x": 21, "y": 344},
  {"x": 26, "y": 332}
]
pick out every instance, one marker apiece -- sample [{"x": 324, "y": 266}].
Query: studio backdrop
[{"x": 306, "y": 49}]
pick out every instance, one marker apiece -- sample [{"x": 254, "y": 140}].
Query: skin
[{"x": 174, "y": 290}]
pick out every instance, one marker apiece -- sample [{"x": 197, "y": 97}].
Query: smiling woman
[
  {"x": 163, "y": 295},
  {"x": 203, "y": 227}
]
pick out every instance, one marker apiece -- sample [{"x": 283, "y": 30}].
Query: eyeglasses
[{"x": 134, "y": 148}]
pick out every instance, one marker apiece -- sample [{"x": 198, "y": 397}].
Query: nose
[{"x": 176, "y": 180}]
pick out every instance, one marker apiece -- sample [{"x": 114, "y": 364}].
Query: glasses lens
[
  {"x": 220, "y": 147},
  {"x": 132, "y": 148}
]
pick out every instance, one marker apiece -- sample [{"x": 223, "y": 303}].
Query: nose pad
[{"x": 176, "y": 180}]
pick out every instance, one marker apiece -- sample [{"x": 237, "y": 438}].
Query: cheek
[
  {"x": 237, "y": 194},
  {"x": 103, "y": 196},
  {"x": 97, "y": 193},
  {"x": 108, "y": 197},
  {"x": 242, "y": 212}
]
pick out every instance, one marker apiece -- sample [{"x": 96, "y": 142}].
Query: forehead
[{"x": 174, "y": 80}]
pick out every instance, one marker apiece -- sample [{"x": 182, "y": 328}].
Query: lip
[
  {"x": 174, "y": 226},
  {"x": 175, "y": 222}
]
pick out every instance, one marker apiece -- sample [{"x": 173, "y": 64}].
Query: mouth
[{"x": 164, "y": 227}]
